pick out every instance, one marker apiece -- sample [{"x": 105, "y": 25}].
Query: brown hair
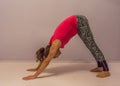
[{"x": 42, "y": 53}]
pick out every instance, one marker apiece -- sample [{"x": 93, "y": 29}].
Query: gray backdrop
[{"x": 26, "y": 25}]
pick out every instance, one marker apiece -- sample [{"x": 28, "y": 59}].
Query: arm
[{"x": 53, "y": 50}]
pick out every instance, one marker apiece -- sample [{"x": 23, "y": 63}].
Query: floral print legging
[{"x": 86, "y": 35}]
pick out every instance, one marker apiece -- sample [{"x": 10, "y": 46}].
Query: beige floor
[{"x": 57, "y": 74}]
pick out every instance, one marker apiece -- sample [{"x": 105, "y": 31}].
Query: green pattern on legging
[{"x": 85, "y": 34}]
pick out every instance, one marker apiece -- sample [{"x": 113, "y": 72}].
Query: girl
[{"x": 75, "y": 24}]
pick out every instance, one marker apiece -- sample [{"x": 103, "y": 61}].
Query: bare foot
[
  {"x": 103, "y": 74},
  {"x": 97, "y": 69}
]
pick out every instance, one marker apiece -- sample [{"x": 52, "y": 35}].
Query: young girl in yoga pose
[{"x": 75, "y": 24}]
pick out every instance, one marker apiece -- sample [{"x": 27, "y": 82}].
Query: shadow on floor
[{"x": 66, "y": 69}]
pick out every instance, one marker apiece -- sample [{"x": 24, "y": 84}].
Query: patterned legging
[{"x": 85, "y": 34}]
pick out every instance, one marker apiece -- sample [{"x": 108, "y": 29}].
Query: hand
[
  {"x": 32, "y": 69},
  {"x": 29, "y": 77}
]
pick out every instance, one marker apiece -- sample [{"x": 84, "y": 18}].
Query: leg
[{"x": 85, "y": 34}]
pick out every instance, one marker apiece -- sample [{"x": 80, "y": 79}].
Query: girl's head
[{"x": 42, "y": 53}]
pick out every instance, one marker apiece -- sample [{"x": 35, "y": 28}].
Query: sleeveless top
[{"x": 65, "y": 30}]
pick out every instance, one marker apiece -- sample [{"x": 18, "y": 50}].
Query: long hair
[{"x": 42, "y": 53}]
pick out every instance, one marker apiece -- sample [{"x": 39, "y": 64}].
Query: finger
[
  {"x": 31, "y": 69},
  {"x": 25, "y": 78},
  {"x": 29, "y": 77}
]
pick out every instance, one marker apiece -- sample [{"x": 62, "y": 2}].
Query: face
[{"x": 57, "y": 54}]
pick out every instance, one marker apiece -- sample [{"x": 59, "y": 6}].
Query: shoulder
[{"x": 56, "y": 43}]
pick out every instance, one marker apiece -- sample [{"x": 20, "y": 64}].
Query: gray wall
[{"x": 26, "y": 25}]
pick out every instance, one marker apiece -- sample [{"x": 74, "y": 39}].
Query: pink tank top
[{"x": 65, "y": 30}]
